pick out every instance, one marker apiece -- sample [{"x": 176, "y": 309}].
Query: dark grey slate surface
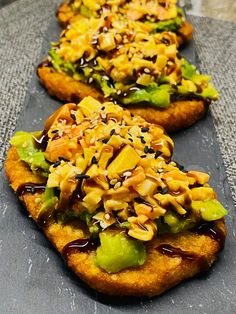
[{"x": 33, "y": 276}]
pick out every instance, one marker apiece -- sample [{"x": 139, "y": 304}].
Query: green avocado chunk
[
  {"x": 176, "y": 224},
  {"x": 210, "y": 210},
  {"x": 158, "y": 96},
  {"x": 169, "y": 25},
  {"x": 59, "y": 64},
  {"x": 118, "y": 252},
  {"x": 24, "y": 143}
]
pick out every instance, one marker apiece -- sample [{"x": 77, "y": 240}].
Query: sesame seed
[
  {"x": 113, "y": 131},
  {"x": 82, "y": 176},
  {"x": 146, "y": 70},
  {"x": 105, "y": 140},
  {"x": 57, "y": 164},
  {"x": 107, "y": 216},
  {"x": 127, "y": 174},
  {"x": 151, "y": 151},
  {"x": 103, "y": 107},
  {"x": 94, "y": 160},
  {"x": 113, "y": 181},
  {"x": 54, "y": 131},
  {"x": 157, "y": 154},
  {"x": 146, "y": 149},
  {"x": 164, "y": 191},
  {"x": 144, "y": 129},
  {"x": 90, "y": 80},
  {"x": 130, "y": 139},
  {"x": 73, "y": 116},
  {"x": 117, "y": 185}
]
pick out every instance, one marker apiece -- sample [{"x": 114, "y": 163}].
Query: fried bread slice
[
  {"x": 171, "y": 258},
  {"x": 179, "y": 115}
]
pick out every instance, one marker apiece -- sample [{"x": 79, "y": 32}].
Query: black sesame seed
[
  {"x": 146, "y": 149},
  {"x": 145, "y": 129},
  {"x": 57, "y": 164},
  {"x": 103, "y": 108},
  {"x": 132, "y": 115},
  {"x": 151, "y": 151},
  {"x": 64, "y": 159},
  {"x": 143, "y": 156},
  {"x": 164, "y": 191},
  {"x": 94, "y": 160},
  {"x": 113, "y": 131},
  {"x": 142, "y": 139},
  {"x": 73, "y": 116},
  {"x": 157, "y": 154},
  {"x": 130, "y": 139},
  {"x": 105, "y": 140},
  {"x": 54, "y": 131},
  {"x": 104, "y": 120},
  {"x": 82, "y": 176}
]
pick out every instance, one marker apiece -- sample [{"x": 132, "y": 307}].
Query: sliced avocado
[
  {"x": 177, "y": 224},
  {"x": 59, "y": 64},
  {"x": 210, "y": 210},
  {"x": 188, "y": 70},
  {"x": 210, "y": 92},
  {"x": 158, "y": 96},
  {"x": 169, "y": 25},
  {"x": 24, "y": 143},
  {"x": 117, "y": 252},
  {"x": 47, "y": 209}
]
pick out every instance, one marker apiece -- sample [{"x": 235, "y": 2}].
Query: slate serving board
[{"x": 34, "y": 278}]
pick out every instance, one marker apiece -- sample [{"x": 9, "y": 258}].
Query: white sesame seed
[
  {"x": 107, "y": 216},
  {"x": 127, "y": 174},
  {"x": 90, "y": 80},
  {"x": 113, "y": 181},
  {"x": 117, "y": 185},
  {"x": 146, "y": 70}
]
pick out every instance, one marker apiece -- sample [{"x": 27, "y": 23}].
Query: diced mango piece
[
  {"x": 127, "y": 159},
  {"x": 201, "y": 177},
  {"x": 202, "y": 194},
  {"x": 107, "y": 41},
  {"x": 89, "y": 105},
  {"x": 147, "y": 187},
  {"x": 106, "y": 155}
]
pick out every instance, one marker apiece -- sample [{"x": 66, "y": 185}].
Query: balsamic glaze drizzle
[
  {"x": 79, "y": 245},
  {"x": 30, "y": 188}
]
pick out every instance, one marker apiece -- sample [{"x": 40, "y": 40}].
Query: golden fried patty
[
  {"x": 161, "y": 271},
  {"x": 179, "y": 115},
  {"x": 66, "y": 15}
]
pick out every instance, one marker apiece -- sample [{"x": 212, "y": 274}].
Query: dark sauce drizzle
[
  {"x": 210, "y": 229},
  {"x": 30, "y": 188},
  {"x": 79, "y": 245},
  {"x": 170, "y": 251}
]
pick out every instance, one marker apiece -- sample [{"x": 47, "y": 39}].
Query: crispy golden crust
[
  {"x": 179, "y": 115},
  {"x": 66, "y": 15},
  {"x": 159, "y": 273},
  {"x": 65, "y": 87}
]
